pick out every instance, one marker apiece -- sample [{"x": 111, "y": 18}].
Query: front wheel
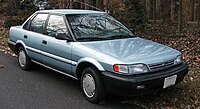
[
  {"x": 23, "y": 59},
  {"x": 92, "y": 85}
]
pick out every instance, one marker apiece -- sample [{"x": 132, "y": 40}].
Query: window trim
[
  {"x": 71, "y": 35},
  {"x": 69, "y": 28},
  {"x": 29, "y": 20}
]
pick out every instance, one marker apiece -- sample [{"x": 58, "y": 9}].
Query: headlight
[
  {"x": 178, "y": 60},
  {"x": 138, "y": 68},
  {"x": 131, "y": 69}
]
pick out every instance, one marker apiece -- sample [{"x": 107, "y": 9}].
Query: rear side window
[{"x": 38, "y": 23}]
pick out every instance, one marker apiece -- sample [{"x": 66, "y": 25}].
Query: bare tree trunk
[
  {"x": 172, "y": 14},
  {"x": 192, "y": 10},
  {"x": 99, "y": 4},
  {"x": 166, "y": 10},
  {"x": 180, "y": 17},
  {"x": 148, "y": 9},
  {"x": 144, "y": 4},
  {"x": 198, "y": 19},
  {"x": 154, "y": 11},
  {"x": 108, "y": 6}
]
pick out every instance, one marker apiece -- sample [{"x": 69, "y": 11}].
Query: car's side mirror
[{"x": 63, "y": 36}]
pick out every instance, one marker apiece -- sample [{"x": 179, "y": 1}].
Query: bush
[
  {"x": 18, "y": 19},
  {"x": 7, "y": 23},
  {"x": 133, "y": 16}
]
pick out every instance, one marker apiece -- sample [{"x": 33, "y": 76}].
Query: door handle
[
  {"x": 25, "y": 36},
  {"x": 44, "y": 42}
]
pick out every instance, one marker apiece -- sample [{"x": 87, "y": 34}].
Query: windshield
[{"x": 97, "y": 27}]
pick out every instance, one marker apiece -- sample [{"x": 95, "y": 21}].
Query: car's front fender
[{"x": 91, "y": 61}]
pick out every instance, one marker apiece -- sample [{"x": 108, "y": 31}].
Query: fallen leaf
[
  {"x": 1, "y": 66},
  {"x": 197, "y": 61}
]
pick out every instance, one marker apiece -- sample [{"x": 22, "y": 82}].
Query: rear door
[{"x": 33, "y": 33}]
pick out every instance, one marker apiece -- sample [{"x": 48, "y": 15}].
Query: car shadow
[{"x": 112, "y": 101}]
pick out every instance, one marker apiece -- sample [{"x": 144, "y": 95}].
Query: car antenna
[{"x": 87, "y": 5}]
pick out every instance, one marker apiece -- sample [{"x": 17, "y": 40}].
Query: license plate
[{"x": 169, "y": 81}]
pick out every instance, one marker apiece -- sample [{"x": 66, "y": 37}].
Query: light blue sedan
[{"x": 97, "y": 50}]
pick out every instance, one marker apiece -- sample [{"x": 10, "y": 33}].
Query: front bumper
[{"x": 134, "y": 85}]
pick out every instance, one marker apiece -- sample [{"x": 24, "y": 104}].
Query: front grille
[{"x": 161, "y": 65}]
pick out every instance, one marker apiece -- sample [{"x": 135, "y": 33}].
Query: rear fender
[{"x": 22, "y": 44}]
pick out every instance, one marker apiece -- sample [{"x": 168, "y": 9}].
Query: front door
[{"x": 56, "y": 52}]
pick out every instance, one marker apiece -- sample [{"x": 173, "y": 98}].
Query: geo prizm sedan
[{"x": 97, "y": 50}]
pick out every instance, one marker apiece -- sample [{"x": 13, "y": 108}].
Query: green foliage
[
  {"x": 13, "y": 14},
  {"x": 19, "y": 18},
  {"x": 136, "y": 13},
  {"x": 133, "y": 16},
  {"x": 7, "y": 23},
  {"x": 22, "y": 15}
]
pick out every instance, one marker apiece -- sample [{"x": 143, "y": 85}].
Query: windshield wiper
[
  {"x": 91, "y": 38},
  {"x": 104, "y": 38},
  {"x": 120, "y": 36}
]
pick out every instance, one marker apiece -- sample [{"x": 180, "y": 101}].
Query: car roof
[{"x": 70, "y": 11}]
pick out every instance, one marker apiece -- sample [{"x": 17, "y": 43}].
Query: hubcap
[
  {"x": 88, "y": 85},
  {"x": 22, "y": 58}
]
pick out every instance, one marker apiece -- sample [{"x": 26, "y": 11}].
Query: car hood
[{"x": 130, "y": 51}]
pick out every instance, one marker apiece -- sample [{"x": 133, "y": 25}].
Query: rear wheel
[
  {"x": 23, "y": 59},
  {"x": 92, "y": 85}
]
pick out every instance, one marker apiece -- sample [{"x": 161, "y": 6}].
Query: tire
[
  {"x": 92, "y": 85},
  {"x": 23, "y": 59}
]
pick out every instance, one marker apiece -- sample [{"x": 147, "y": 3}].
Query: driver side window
[{"x": 56, "y": 25}]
